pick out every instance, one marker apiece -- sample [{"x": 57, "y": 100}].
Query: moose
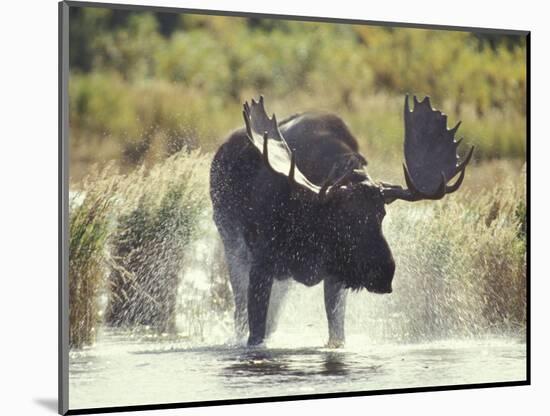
[{"x": 293, "y": 199}]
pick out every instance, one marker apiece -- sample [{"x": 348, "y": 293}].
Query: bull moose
[{"x": 293, "y": 199}]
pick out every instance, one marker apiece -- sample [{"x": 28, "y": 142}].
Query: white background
[{"x": 28, "y": 204}]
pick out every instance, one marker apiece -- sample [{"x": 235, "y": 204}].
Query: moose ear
[{"x": 338, "y": 177}]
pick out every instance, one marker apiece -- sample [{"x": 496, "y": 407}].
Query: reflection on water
[
  {"x": 333, "y": 365},
  {"x": 286, "y": 364},
  {"x": 122, "y": 371}
]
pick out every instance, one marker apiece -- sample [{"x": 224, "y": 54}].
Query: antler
[
  {"x": 430, "y": 155},
  {"x": 264, "y": 133}
]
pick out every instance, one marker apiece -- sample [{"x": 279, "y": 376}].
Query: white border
[{"x": 28, "y": 101}]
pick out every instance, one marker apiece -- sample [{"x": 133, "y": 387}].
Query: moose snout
[
  {"x": 379, "y": 289},
  {"x": 380, "y": 278}
]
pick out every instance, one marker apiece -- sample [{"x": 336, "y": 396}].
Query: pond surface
[{"x": 132, "y": 370}]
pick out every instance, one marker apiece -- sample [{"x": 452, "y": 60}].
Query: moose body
[{"x": 293, "y": 200}]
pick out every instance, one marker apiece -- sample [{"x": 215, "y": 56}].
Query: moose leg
[
  {"x": 335, "y": 307},
  {"x": 276, "y": 300},
  {"x": 238, "y": 277},
  {"x": 238, "y": 263},
  {"x": 259, "y": 291}
]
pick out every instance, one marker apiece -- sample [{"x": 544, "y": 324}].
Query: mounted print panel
[{"x": 264, "y": 207}]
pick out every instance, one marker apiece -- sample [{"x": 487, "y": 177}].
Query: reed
[{"x": 90, "y": 225}]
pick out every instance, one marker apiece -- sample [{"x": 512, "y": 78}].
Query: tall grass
[
  {"x": 127, "y": 238},
  {"x": 89, "y": 230}
]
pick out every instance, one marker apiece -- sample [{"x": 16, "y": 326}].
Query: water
[{"x": 131, "y": 369}]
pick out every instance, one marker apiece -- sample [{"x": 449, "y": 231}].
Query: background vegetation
[
  {"x": 145, "y": 85},
  {"x": 152, "y": 95}
]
